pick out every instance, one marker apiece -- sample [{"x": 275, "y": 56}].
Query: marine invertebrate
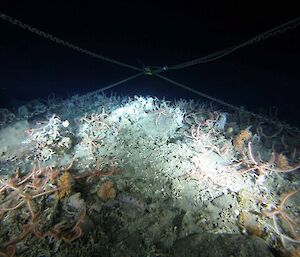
[
  {"x": 247, "y": 222},
  {"x": 265, "y": 167},
  {"x": 88, "y": 176},
  {"x": 64, "y": 184},
  {"x": 107, "y": 191},
  {"x": 29, "y": 188},
  {"x": 241, "y": 138},
  {"x": 27, "y": 191},
  {"x": 9, "y": 251},
  {"x": 49, "y": 137},
  {"x": 283, "y": 162},
  {"x": 280, "y": 211},
  {"x": 58, "y": 232}
]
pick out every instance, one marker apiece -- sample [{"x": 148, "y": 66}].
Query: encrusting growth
[
  {"x": 64, "y": 183},
  {"x": 241, "y": 138}
]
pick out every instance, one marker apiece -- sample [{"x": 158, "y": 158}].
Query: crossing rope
[
  {"x": 156, "y": 70},
  {"x": 64, "y": 43},
  {"x": 217, "y": 55},
  {"x": 230, "y": 106}
]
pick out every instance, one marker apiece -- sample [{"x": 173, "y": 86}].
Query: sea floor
[{"x": 118, "y": 176}]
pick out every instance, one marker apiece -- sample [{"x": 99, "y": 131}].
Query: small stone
[{"x": 66, "y": 123}]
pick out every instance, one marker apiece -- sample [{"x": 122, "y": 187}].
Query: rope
[
  {"x": 217, "y": 55},
  {"x": 101, "y": 90},
  {"x": 10, "y": 116},
  {"x": 155, "y": 70},
  {"x": 233, "y": 107},
  {"x": 64, "y": 43},
  {"x": 198, "y": 92}
]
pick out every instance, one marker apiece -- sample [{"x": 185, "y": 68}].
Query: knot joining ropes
[{"x": 156, "y": 70}]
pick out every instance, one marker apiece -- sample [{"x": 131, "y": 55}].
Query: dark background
[{"x": 260, "y": 76}]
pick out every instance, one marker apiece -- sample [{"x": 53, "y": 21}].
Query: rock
[{"x": 213, "y": 245}]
